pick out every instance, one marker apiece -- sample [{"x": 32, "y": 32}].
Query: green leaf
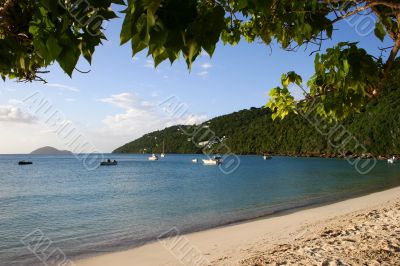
[
  {"x": 53, "y": 47},
  {"x": 346, "y": 66},
  {"x": 151, "y": 5},
  {"x": 191, "y": 52},
  {"x": 240, "y": 4},
  {"x": 126, "y": 31},
  {"x": 380, "y": 31},
  {"x": 68, "y": 60},
  {"x": 34, "y": 29}
]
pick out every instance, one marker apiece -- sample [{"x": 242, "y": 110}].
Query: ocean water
[{"x": 85, "y": 213}]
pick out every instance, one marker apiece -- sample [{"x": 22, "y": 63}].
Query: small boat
[
  {"x": 392, "y": 160},
  {"x": 162, "y": 154},
  {"x": 153, "y": 157},
  {"x": 267, "y": 157},
  {"x": 210, "y": 162},
  {"x": 195, "y": 161},
  {"x": 214, "y": 161},
  {"x": 24, "y": 162},
  {"x": 109, "y": 163}
]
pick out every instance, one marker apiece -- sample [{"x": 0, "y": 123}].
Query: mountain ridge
[{"x": 47, "y": 150}]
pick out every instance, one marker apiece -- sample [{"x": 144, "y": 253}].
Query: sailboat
[
  {"x": 392, "y": 160},
  {"x": 163, "y": 152},
  {"x": 267, "y": 156}
]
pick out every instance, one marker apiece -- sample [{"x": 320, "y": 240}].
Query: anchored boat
[
  {"x": 163, "y": 151},
  {"x": 109, "y": 163},
  {"x": 24, "y": 162},
  {"x": 392, "y": 160},
  {"x": 153, "y": 157},
  {"x": 267, "y": 157},
  {"x": 214, "y": 161}
]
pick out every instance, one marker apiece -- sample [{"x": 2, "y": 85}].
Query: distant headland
[{"x": 50, "y": 151}]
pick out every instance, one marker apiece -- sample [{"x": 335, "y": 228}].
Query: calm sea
[{"x": 85, "y": 213}]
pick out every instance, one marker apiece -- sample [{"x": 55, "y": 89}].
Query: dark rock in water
[{"x": 50, "y": 151}]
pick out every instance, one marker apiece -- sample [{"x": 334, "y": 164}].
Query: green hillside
[{"x": 253, "y": 132}]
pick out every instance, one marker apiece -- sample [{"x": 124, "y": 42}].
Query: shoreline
[
  {"x": 232, "y": 243},
  {"x": 366, "y": 156}
]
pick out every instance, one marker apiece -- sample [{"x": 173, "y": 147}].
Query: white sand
[{"x": 248, "y": 243}]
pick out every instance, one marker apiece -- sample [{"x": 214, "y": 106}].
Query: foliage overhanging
[{"x": 35, "y": 34}]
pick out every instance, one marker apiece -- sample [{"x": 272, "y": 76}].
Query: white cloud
[
  {"x": 140, "y": 117},
  {"x": 6, "y": 90},
  {"x": 205, "y": 70},
  {"x": 135, "y": 58},
  {"x": 155, "y": 94},
  {"x": 10, "y": 113},
  {"x": 70, "y": 99},
  {"x": 203, "y": 73},
  {"x": 127, "y": 100},
  {"x": 206, "y": 66},
  {"x": 14, "y": 102},
  {"x": 62, "y": 87}
]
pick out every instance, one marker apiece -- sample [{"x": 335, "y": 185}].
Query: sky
[{"x": 123, "y": 97}]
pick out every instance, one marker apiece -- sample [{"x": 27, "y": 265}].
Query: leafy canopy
[{"x": 35, "y": 34}]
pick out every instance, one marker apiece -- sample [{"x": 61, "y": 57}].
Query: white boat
[
  {"x": 163, "y": 152},
  {"x": 195, "y": 161},
  {"x": 267, "y": 157},
  {"x": 214, "y": 161},
  {"x": 210, "y": 162},
  {"x": 153, "y": 157},
  {"x": 392, "y": 160}
]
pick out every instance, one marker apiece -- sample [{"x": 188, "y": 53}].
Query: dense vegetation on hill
[{"x": 377, "y": 128}]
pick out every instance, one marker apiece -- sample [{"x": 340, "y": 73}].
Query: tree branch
[
  {"x": 393, "y": 54},
  {"x": 379, "y": 15},
  {"x": 357, "y": 10},
  {"x": 384, "y": 3}
]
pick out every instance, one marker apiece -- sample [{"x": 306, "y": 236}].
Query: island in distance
[{"x": 50, "y": 151}]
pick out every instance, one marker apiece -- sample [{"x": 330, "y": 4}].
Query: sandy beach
[{"x": 351, "y": 232}]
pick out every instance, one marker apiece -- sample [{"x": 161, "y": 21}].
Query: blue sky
[{"x": 118, "y": 100}]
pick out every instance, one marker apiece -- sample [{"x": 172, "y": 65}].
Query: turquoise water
[{"x": 85, "y": 213}]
